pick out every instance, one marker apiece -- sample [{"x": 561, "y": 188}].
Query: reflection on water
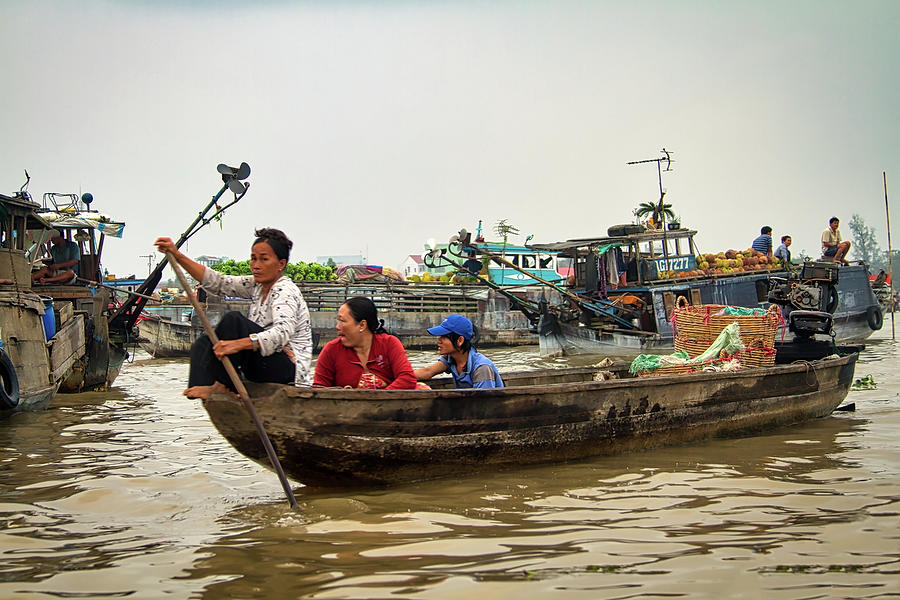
[{"x": 133, "y": 493}]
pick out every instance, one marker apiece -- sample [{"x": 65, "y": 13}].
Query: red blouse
[{"x": 339, "y": 366}]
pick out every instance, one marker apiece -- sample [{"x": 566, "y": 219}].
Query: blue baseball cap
[{"x": 457, "y": 324}]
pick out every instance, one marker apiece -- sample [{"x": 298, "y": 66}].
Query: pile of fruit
[
  {"x": 737, "y": 261},
  {"x": 731, "y": 261}
]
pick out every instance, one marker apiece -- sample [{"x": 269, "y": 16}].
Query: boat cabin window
[
  {"x": 12, "y": 234},
  {"x": 529, "y": 261}
]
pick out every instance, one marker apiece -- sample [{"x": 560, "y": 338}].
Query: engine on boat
[
  {"x": 808, "y": 298},
  {"x": 813, "y": 287}
]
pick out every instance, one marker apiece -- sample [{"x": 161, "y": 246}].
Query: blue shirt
[
  {"x": 763, "y": 243},
  {"x": 480, "y": 372},
  {"x": 783, "y": 253},
  {"x": 65, "y": 253}
]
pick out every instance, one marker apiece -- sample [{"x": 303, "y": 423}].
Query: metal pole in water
[{"x": 887, "y": 212}]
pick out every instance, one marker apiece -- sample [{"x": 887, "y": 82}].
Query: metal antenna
[
  {"x": 150, "y": 261},
  {"x": 665, "y": 158}
]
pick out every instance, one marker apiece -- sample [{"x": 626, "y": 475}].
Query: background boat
[{"x": 635, "y": 318}]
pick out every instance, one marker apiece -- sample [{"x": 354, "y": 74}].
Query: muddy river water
[{"x": 133, "y": 494}]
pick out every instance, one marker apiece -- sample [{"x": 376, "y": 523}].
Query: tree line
[{"x": 866, "y": 248}]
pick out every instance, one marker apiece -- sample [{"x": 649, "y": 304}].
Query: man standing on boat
[
  {"x": 833, "y": 245},
  {"x": 64, "y": 255},
  {"x": 764, "y": 242}
]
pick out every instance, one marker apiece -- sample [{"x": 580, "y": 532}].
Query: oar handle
[{"x": 235, "y": 379}]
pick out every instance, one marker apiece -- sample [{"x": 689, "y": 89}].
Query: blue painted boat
[{"x": 659, "y": 268}]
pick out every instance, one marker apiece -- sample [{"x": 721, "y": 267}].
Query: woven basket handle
[
  {"x": 756, "y": 344},
  {"x": 681, "y": 302}
]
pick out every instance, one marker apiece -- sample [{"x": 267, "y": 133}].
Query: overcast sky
[{"x": 373, "y": 126}]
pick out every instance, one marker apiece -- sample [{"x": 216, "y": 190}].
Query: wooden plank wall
[{"x": 422, "y": 298}]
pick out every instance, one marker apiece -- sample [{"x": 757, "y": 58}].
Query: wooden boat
[
  {"x": 165, "y": 338},
  {"x": 97, "y": 359},
  {"x": 169, "y": 330},
  {"x": 39, "y": 346},
  {"x": 332, "y": 436},
  {"x": 662, "y": 267}
]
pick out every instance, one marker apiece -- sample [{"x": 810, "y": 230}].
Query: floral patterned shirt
[{"x": 283, "y": 314}]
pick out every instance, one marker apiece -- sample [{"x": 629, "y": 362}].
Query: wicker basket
[
  {"x": 697, "y": 327},
  {"x": 669, "y": 370},
  {"x": 757, "y": 354}
]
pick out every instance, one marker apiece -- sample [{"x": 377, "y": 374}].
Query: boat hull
[
  {"x": 24, "y": 343},
  {"x": 333, "y": 437},
  {"x": 162, "y": 338}
]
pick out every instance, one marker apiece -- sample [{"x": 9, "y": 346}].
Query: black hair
[
  {"x": 363, "y": 309},
  {"x": 467, "y": 344},
  {"x": 454, "y": 341},
  {"x": 765, "y": 230},
  {"x": 833, "y": 219},
  {"x": 784, "y": 237},
  {"x": 276, "y": 239}
]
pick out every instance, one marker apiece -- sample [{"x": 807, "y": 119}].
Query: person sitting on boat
[
  {"x": 783, "y": 251},
  {"x": 833, "y": 246},
  {"x": 64, "y": 257},
  {"x": 763, "y": 243},
  {"x": 273, "y": 343},
  {"x": 470, "y": 369},
  {"x": 472, "y": 264},
  {"x": 363, "y": 355}
]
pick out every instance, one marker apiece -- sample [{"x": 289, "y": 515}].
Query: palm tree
[{"x": 656, "y": 210}]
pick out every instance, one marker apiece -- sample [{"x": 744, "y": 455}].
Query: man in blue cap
[{"x": 470, "y": 369}]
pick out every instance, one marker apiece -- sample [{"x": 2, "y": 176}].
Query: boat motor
[
  {"x": 808, "y": 298},
  {"x": 813, "y": 287}
]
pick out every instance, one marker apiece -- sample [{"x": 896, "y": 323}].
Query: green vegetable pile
[{"x": 299, "y": 271}]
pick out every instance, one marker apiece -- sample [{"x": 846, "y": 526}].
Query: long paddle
[{"x": 235, "y": 379}]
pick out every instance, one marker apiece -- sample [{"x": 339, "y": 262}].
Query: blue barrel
[{"x": 49, "y": 318}]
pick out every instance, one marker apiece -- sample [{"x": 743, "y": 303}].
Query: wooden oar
[{"x": 236, "y": 380}]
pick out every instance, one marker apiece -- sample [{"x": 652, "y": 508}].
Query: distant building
[
  {"x": 412, "y": 265},
  {"x": 348, "y": 259},
  {"x": 208, "y": 261}
]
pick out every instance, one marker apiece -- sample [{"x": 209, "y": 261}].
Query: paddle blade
[
  {"x": 242, "y": 172},
  {"x": 225, "y": 169},
  {"x": 237, "y": 187}
]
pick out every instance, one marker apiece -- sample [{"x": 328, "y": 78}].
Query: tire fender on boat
[
  {"x": 9, "y": 383},
  {"x": 874, "y": 318},
  {"x": 832, "y": 300}
]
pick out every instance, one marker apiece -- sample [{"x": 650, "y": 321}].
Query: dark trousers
[{"x": 206, "y": 368}]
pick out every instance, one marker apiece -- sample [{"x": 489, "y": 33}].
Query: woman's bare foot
[{"x": 205, "y": 391}]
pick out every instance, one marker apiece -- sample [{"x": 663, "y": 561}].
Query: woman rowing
[{"x": 274, "y": 342}]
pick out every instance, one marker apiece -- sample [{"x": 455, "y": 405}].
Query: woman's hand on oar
[{"x": 228, "y": 347}]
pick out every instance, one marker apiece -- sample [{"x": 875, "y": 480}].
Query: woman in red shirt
[{"x": 363, "y": 355}]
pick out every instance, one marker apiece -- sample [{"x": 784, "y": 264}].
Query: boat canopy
[
  {"x": 93, "y": 219},
  {"x": 622, "y": 240}
]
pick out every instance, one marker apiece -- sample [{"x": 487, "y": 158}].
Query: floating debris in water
[{"x": 866, "y": 383}]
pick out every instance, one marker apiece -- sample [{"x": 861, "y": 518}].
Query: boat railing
[{"x": 401, "y": 297}]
